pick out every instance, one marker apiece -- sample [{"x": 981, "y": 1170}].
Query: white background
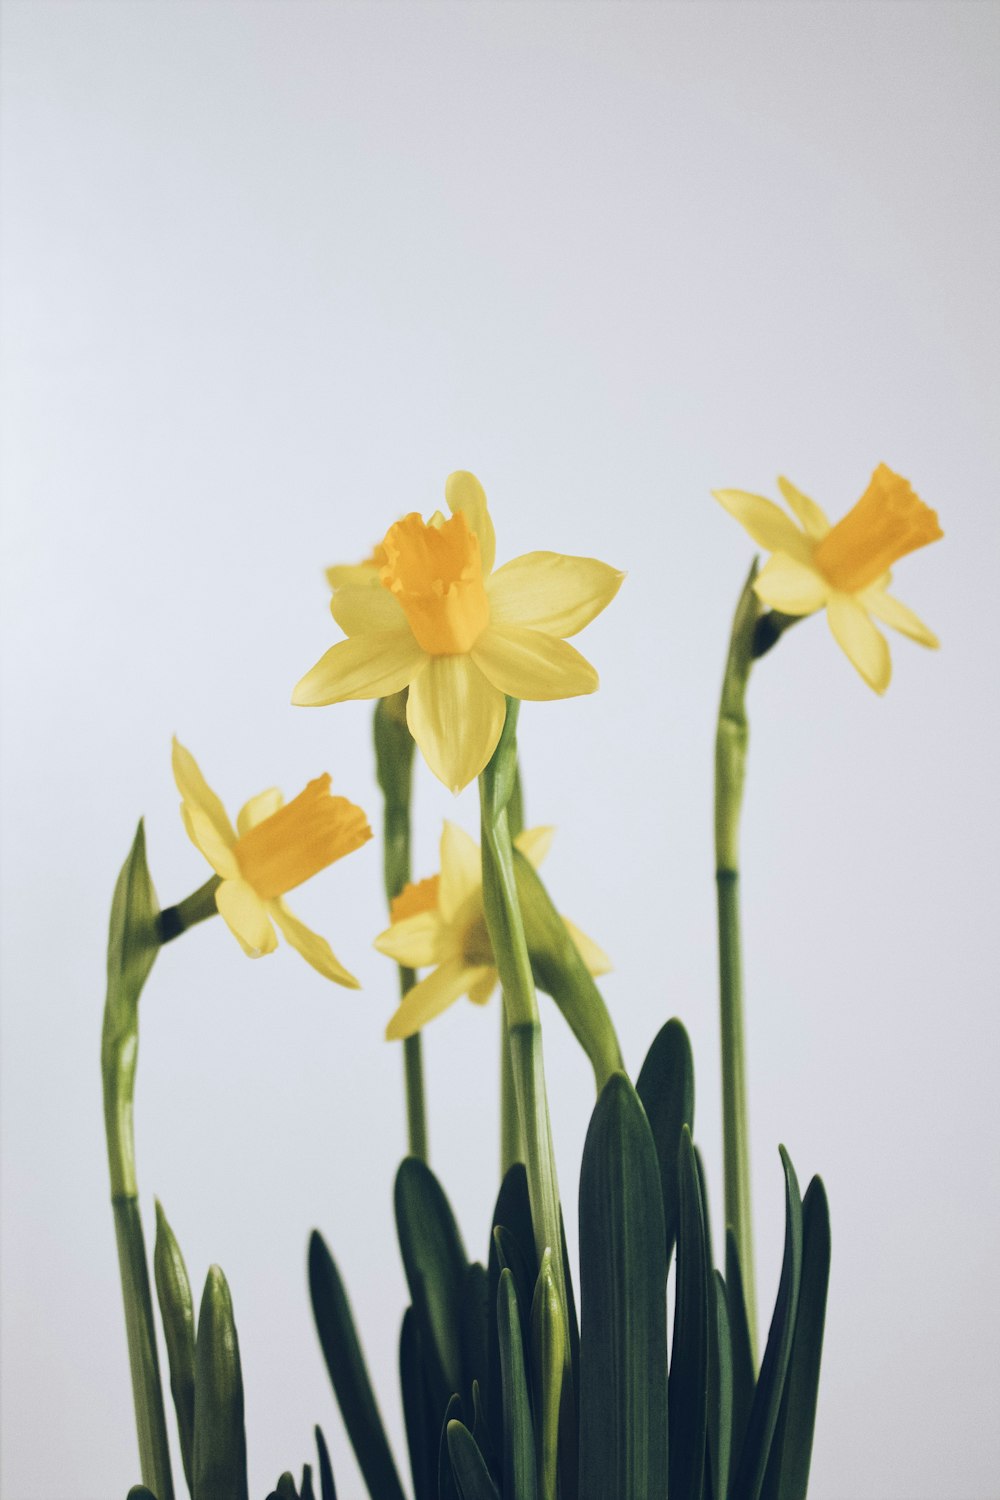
[{"x": 271, "y": 272}]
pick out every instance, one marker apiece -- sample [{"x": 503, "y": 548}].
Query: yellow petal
[
  {"x": 790, "y": 586},
  {"x": 766, "y": 523},
  {"x": 895, "y": 613},
  {"x": 594, "y": 957},
  {"x": 365, "y": 666},
  {"x": 552, "y": 592},
  {"x": 414, "y": 941},
  {"x": 864, "y": 646},
  {"x": 313, "y": 948},
  {"x": 535, "y": 843},
  {"x": 461, "y": 870},
  {"x": 350, "y": 575},
  {"x": 257, "y": 809},
  {"x": 205, "y": 837},
  {"x": 359, "y": 608},
  {"x": 196, "y": 792},
  {"x": 246, "y": 917},
  {"x": 530, "y": 664},
  {"x": 811, "y": 517},
  {"x": 456, "y": 718},
  {"x": 483, "y": 988},
  {"x": 432, "y": 996},
  {"x": 464, "y": 493}
]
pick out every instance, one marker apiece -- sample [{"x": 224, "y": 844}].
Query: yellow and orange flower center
[
  {"x": 888, "y": 521},
  {"x": 417, "y": 897},
  {"x": 436, "y": 573},
  {"x": 299, "y": 840}
]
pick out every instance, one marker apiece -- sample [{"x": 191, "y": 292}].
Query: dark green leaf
[
  {"x": 666, "y": 1088},
  {"x": 513, "y": 1213},
  {"x": 623, "y": 1274},
  {"x": 720, "y": 1388},
  {"x": 744, "y": 1374},
  {"x": 327, "y": 1488},
  {"x": 752, "y": 1464},
  {"x": 548, "y": 1363},
  {"x": 435, "y": 1262},
  {"x": 468, "y": 1465},
  {"x": 140, "y": 1492},
  {"x": 173, "y": 1291},
  {"x": 422, "y": 1433},
  {"x": 306, "y": 1491},
  {"x": 791, "y": 1451},
  {"x": 481, "y": 1429},
  {"x": 447, "y": 1484},
  {"x": 475, "y": 1313},
  {"x": 688, "y": 1386},
  {"x": 349, "y": 1374},
  {"x": 285, "y": 1488},
  {"x": 220, "y": 1445},
  {"x": 519, "y": 1437}
]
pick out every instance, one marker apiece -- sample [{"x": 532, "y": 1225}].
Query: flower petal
[
  {"x": 535, "y": 843},
  {"x": 790, "y": 586},
  {"x": 364, "y": 666},
  {"x": 196, "y": 792},
  {"x": 813, "y": 520},
  {"x": 530, "y": 664},
  {"x": 552, "y": 592},
  {"x": 246, "y": 916},
  {"x": 594, "y": 957},
  {"x": 349, "y": 575},
  {"x": 205, "y": 837},
  {"x": 358, "y": 609},
  {"x": 864, "y": 646},
  {"x": 432, "y": 996},
  {"x": 414, "y": 941},
  {"x": 895, "y": 613},
  {"x": 264, "y": 805},
  {"x": 463, "y": 492},
  {"x": 456, "y": 717},
  {"x": 483, "y": 988},
  {"x": 461, "y": 870},
  {"x": 313, "y": 948},
  {"x": 766, "y": 523}
]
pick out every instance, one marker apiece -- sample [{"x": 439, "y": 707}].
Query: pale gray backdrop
[{"x": 271, "y": 271}]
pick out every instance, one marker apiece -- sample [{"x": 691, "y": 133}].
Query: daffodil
[
  {"x": 441, "y": 922},
  {"x": 358, "y": 575},
  {"x": 459, "y": 635},
  {"x": 843, "y": 569},
  {"x": 275, "y": 847}
]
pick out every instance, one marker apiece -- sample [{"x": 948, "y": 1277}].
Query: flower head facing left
[
  {"x": 457, "y": 634},
  {"x": 275, "y": 847},
  {"x": 843, "y": 569},
  {"x": 441, "y": 922}
]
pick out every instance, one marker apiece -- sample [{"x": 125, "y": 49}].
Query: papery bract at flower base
[
  {"x": 440, "y": 922},
  {"x": 458, "y": 635},
  {"x": 843, "y": 569},
  {"x": 275, "y": 847}
]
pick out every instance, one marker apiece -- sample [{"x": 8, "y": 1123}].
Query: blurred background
[{"x": 271, "y": 271}]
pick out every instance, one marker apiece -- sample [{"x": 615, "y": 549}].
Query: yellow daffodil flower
[
  {"x": 275, "y": 847},
  {"x": 843, "y": 569},
  {"x": 441, "y": 922},
  {"x": 458, "y": 635},
  {"x": 358, "y": 575}
]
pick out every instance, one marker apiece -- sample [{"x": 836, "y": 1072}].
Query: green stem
[
  {"x": 198, "y": 907},
  {"x": 730, "y": 772},
  {"x": 511, "y": 1143},
  {"x": 394, "y": 767}
]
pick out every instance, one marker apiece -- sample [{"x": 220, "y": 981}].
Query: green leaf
[
  {"x": 752, "y": 1464},
  {"x": 481, "y": 1429},
  {"x": 791, "y": 1451},
  {"x": 220, "y": 1445},
  {"x": 133, "y": 940},
  {"x": 421, "y": 1425},
  {"x": 666, "y": 1088},
  {"x": 623, "y": 1274},
  {"x": 744, "y": 1375},
  {"x": 435, "y": 1262},
  {"x": 474, "y": 1325},
  {"x": 327, "y": 1488},
  {"x": 688, "y": 1385},
  {"x": 548, "y": 1360},
  {"x": 285, "y": 1488},
  {"x": 519, "y": 1437},
  {"x": 447, "y": 1483},
  {"x": 720, "y": 1388},
  {"x": 173, "y": 1292},
  {"x": 513, "y": 1214},
  {"x": 471, "y": 1474},
  {"x": 140, "y": 1492},
  {"x": 349, "y": 1374},
  {"x": 306, "y": 1491}
]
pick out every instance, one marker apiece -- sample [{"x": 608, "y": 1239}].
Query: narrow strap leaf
[
  {"x": 688, "y": 1385},
  {"x": 220, "y": 1445},
  {"x": 447, "y": 1483},
  {"x": 720, "y": 1388},
  {"x": 140, "y": 1492},
  {"x": 752, "y": 1464},
  {"x": 512, "y": 1213},
  {"x": 519, "y": 1438},
  {"x": 327, "y": 1488},
  {"x": 666, "y": 1088},
  {"x": 791, "y": 1451},
  {"x": 349, "y": 1374},
  {"x": 421, "y": 1426},
  {"x": 744, "y": 1375},
  {"x": 306, "y": 1491},
  {"x": 623, "y": 1274},
  {"x": 468, "y": 1465},
  {"x": 435, "y": 1262},
  {"x": 474, "y": 1325},
  {"x": 173, "y": 1292},
  {"x": 548, "y": 1360},
  {"x": 285, "y": 1488},
  {"x": 481, "y": 1429}
]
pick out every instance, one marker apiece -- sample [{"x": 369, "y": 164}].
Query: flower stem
[
  {"x": 198, "y": 907},
  {"x": 730, "y": 770},
  {"x": 394, "y": 768},
  {"x": 511, "y": 1144}
]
